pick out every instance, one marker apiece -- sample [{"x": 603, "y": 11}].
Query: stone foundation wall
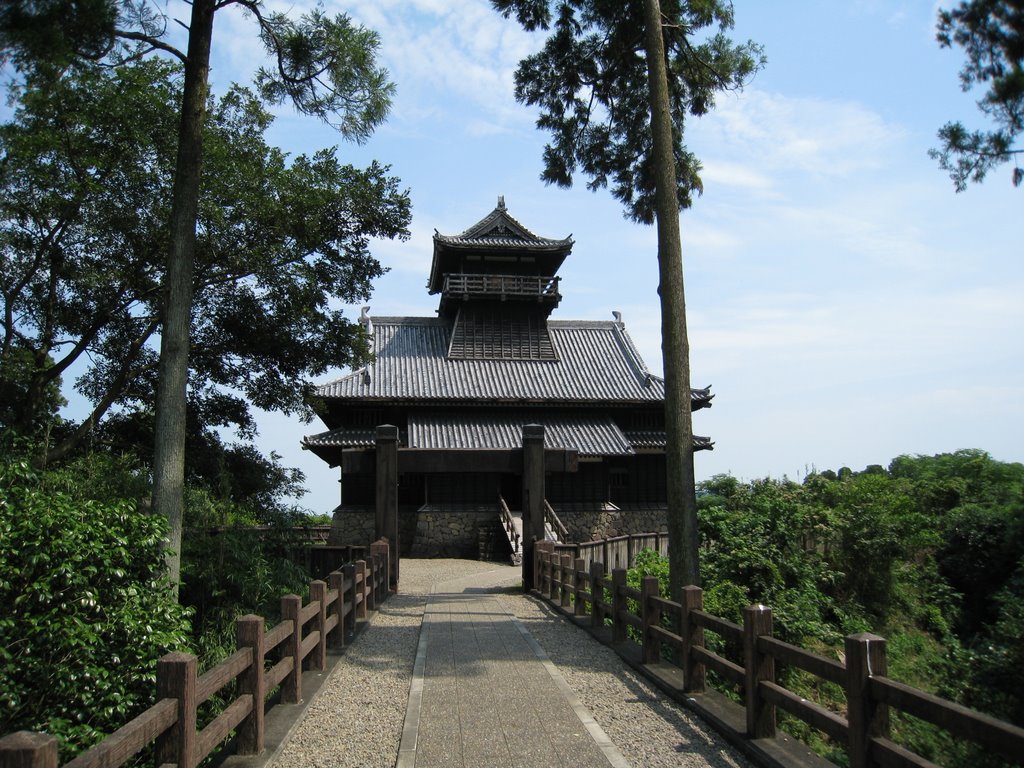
[
  {"x": 450, "y": 534},
  {"x": 603, "y": 524},
  {"x": 457, "y": 534},
  {"x": 352, "y": 526}
]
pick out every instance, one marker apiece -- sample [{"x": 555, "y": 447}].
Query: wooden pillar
[
  {"x": 757, "y": 621},
  {"x": 176, "y": 679},
  {"x": 351, "y": 601},
  {"x": 318, "y": 594},
  {"x": 533, "y": 496},
  {"x": 650, "y": 616},
  {"x": 386, "y": 521},
  {"x": 618, "y": 605},
  {"x": 568, "y": 580},
  {"x": 580, "y": 579},
  {"x": 291, "y": 686},
  {"x": 336, "y": 583},
  {"x": 249, "y": 634},
  {"x": 360, "y": 576},
  {"x": 25, "y": 749},
  {"x": 596, "y": 593},
  {"x": 865, "y": 657},
  {"x": 693, "y": 637}
]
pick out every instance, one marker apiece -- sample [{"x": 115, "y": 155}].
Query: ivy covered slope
[{"x": 928, "y": 552}]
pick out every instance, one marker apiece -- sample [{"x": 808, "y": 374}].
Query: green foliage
[
  {"x": 991, "y": 32},
  {"x": 590, "y": 83},
  {"x": 88, "y": 166},
  {"x": 87, "y": 610},
  {"x": 929, "y": 553}
]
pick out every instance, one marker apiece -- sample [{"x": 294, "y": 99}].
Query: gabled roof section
[
  {"x": 498, "y": 234},
  {"x": 596, "y": 364}
]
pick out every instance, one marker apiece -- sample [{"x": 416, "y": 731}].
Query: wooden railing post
[
  {"x": 554, "y": 564},
  {"x": 596, "y": 593},
  {"x": 318, "y": 593},
  {"x": 249, "y": 632},
  {"x": 618, "y": 605},
  {"x": 579, "y": 579},
  {"x": 758, "y": 667},
  {"x": 348, "y": 573},
  {"x": 693, "y": 637},
  {"x": 568, "y": 580},
  {"x": 335, "y": 583},
  {"x": 385, "y": 582},
  {"x": 176, "y": 679},
  {"x": 291, "y": 686},
  {"x": 360, "y": 587},
  {"x": 865, "y": 657},
  {"x": 26, "y": 749},
  {"x": 650, "y": 617}
]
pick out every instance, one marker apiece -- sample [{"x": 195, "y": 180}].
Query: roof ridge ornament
[{"x": 501, "y": 202}]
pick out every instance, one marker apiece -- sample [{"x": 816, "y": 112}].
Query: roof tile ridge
[
  {"x": 562, "y": 323},
  {"x": 632, "y": 353},
  {"x": 407, "y": 320}
]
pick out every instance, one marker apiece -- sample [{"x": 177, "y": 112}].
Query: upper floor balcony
[{"x": 502, "y": 288}]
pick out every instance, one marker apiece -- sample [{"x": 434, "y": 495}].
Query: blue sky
[{"x": 844, "y": 303}]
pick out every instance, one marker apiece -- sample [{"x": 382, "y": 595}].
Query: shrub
[{"x": 87, "y": 611}]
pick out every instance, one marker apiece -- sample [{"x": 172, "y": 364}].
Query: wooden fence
[
  {"x": 582, "y": 588},
  {"x": 617, "y": 551},
  {"x": 303, "y": 635}
]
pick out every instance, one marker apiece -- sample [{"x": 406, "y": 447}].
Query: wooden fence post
[
  {"x": 386, "y": 582},
  {"x": 336, "y": 583},
  {"x": 757, "y": 621},
  {"x": 596, "y": 593},
  {"x": 651, "y": 617},
  {"x": 348, "y": 573},
  {"x": 318, "y": 593},
  {"x": 865, "y": 657},
  {"x": 554, "y": 566},
  {"x": 26, "y": 749},
  {"x": 360, "y": 577},
  {"x": 618, "y": 605},
  {"x": 568, "y": 579},
  {"x": 579, "y": 577},
  {"x": 693, "y": 637},
  {"x": 249, "y": 632},
  {"x": 291, "y": 686},
  {"x": 176, "y": 679}
]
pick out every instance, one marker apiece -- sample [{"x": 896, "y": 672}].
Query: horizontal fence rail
[
  {"x": 579, "y": 584},
  {"x": 299, "y": 641}
]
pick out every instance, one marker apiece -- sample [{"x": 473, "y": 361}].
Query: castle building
[{"x": 463, "y": 384}]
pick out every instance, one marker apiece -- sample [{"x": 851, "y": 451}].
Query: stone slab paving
[{"x": 484, "y": 693}]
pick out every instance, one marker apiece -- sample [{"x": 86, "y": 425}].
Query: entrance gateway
[{"x": 460, "y": 387}]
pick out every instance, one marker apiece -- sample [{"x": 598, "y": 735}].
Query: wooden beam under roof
[{"x": 436, "y": 460}]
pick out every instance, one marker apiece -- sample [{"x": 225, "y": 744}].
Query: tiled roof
[
  {"x": 499, "y": 229},
  {"x": 654, "y": 439},
  {"x": 590, "y": 434},
  {"x": 597, "y": 363}
]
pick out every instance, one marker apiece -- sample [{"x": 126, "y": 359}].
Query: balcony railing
[{"x": 501, "y": 286}]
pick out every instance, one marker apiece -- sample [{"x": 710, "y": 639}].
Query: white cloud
[{"x": 770, "y": 134}]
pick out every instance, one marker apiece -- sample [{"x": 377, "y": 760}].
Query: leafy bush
[{"x": 87, "y": 610}]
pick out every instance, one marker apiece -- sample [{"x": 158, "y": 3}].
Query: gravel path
[{"x": 356, "y": 719}]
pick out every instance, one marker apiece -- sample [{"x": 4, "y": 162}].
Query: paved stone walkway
[{"x": 484, "y": 693}]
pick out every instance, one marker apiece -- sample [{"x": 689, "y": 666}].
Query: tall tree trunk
[
  {"x": 169, "y": 447},
  {"x": 683, "y": 537}
]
